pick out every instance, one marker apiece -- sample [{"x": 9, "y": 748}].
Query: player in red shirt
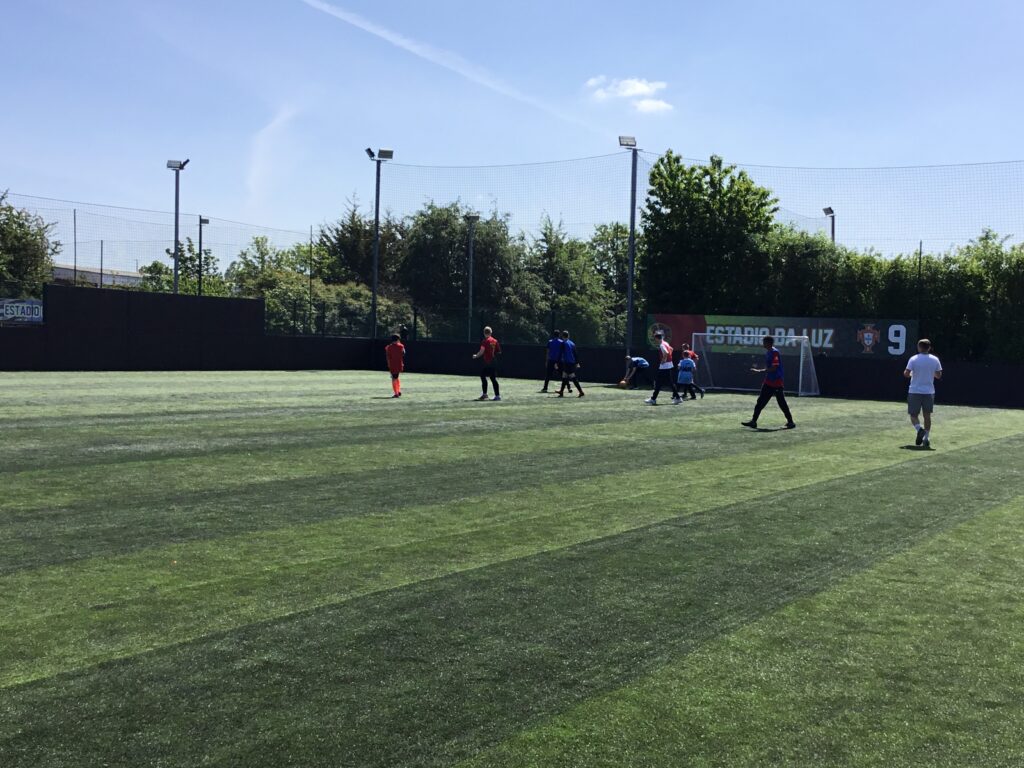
[
  {"x": 395, "y": 353},
  {"x": 489, "y": 350}
]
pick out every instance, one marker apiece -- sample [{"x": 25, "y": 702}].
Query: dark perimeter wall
[{"x": 112, "y": 330}]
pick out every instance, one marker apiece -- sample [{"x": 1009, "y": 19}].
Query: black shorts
[
  {"x": 490, "y": 371},
  {"x": 568, "y": 369}
]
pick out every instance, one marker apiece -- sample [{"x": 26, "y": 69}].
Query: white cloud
[
  {"x": 263, "y": 150},
  {"x": 651, "y": 105},
  {"x": 638, "y": 90},
  {"x": 624, "y": 88}
]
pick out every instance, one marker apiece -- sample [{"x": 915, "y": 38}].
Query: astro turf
[{"x": 278, "y": 569}]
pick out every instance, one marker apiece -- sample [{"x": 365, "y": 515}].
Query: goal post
[{"x": 725, "y": 361}]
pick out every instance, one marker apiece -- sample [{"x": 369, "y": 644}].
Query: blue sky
[{"x": 274, "y": 101}]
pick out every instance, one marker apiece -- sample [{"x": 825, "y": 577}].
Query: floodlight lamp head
[
  {"x": 472, "y": 218},
  {"x": 175, "y": 165},
  {"x": 203, "y": 220},
  {"x": 828, "y": 211},
  {"x": 385, "y": 154},
  {"x": 627, "y": 141},
  {"x": 369, "y": 154}
]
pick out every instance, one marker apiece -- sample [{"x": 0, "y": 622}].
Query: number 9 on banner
[{"x": 897, "y": 339}]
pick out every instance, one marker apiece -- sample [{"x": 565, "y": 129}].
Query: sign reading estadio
[
  {"x": 21, "y": 311},
  {"x": 835, "y": 337}
]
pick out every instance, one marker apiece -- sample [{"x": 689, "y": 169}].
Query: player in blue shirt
[
  {"x": 636, "y": 371},
  {"x": 685, "y": 378},
  {"x": 569, "y": 363},
  {"x": 772, "y": 385},
  {"x": 554, "y": 354}
]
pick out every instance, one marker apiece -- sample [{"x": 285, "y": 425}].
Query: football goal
[{"x": 726, "y": 359}]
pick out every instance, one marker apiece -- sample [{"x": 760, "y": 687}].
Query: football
[{"x": 622, "y": 384}]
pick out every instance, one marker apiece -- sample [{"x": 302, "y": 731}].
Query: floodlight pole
[
  {"x": 632, "y": 255},
  {"x": 312, "y": 318},
  {"x": 831, "y": 215},
  {"x": 201, "y": 222},
  {"x": 177, "y": 166},
  {"x": 920, "y": 257},
  {"x": 471, "y": 219},
  {"x": 376, "y": 251},
  {"x": 177, "y": 189}
]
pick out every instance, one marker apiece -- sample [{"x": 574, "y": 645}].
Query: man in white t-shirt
[
  {"x": 665, "y": 369},
  {"x": 922, "y": 370}
]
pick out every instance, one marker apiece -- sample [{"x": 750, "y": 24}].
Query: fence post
[
  {"x": 101, "y": 263},
  {"x": 415, "y": 322},
  {"x": 295, "y": 317}
]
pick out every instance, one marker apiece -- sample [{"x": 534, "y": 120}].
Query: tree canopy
[{"x": 26, "y": 250}]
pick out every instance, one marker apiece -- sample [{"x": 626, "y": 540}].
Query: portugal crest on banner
[
  {"x": 662, "y": 328},
  {"x": 868, "y": 337}
]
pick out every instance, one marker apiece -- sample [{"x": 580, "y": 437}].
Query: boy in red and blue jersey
[{"x": 773, "y": 384}]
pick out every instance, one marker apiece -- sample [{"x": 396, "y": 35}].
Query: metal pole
[
  {"x": 632, "y": 257},
  {"x": 312, "y": 317},
  {"x": 920, "y": 256},
  {"x": 74, "y": 230},
  {"x": 469, "y": 314},
  {"x": 101, "y": 263},
  {"x": 177, "y": 174},
  {"x": 200, "y": 293},
  {"x": 376, "y": 253},
  {"x": 833, "y": 218}
]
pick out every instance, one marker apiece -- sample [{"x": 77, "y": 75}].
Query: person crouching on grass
[
  {"x": 772, "y": 385},
  {"x": 922, "y": 369},
  {"x": 395, "y": 353},
  {"x": 489, "y": 350}
]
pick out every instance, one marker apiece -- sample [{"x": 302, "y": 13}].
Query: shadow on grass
[{"x": 916, "y": 448}]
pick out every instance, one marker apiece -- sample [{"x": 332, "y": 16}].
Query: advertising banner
[
  {"x": 834, "y": 337},
  {"x": 20, "y": 311}
]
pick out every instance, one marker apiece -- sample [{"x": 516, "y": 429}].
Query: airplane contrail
[{"x": 442, "y": 58}]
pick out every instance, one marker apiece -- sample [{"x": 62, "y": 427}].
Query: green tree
[
  {"x": 569, "y": 270},
  {"x": 348, "y": 248},
  {"x": 158, "y": 276},
  {"x": 704, "y": 227},
  {"x": 26, "y": 251}
]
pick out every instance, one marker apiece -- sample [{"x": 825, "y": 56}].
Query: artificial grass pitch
[{"x": 293, "y": 569}]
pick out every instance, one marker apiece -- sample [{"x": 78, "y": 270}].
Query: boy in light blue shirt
[{"x": 685, "y": 377}]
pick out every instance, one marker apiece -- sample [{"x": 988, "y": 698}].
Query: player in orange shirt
[{"x": 395, "y": 353}]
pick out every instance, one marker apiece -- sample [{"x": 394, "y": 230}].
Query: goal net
[{"x": 726, "y": 359}]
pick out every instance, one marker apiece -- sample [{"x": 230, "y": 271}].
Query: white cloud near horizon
[
  {"x": 449, "y": 60},
  {"x": 639, "y": 90},
  {"x": 652, "y": 105}
]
